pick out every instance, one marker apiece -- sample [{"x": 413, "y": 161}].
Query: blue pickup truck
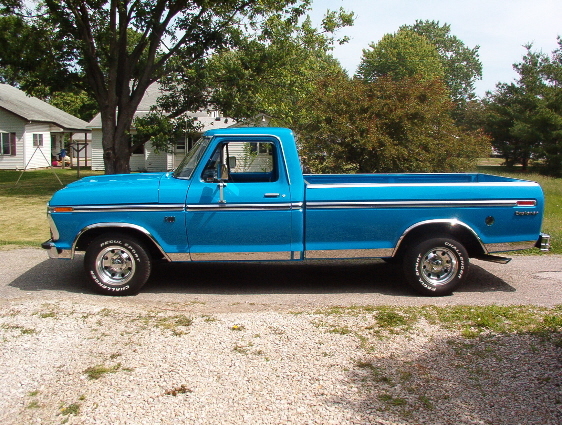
[{"x": 240, "y": 195}]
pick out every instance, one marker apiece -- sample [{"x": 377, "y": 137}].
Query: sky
[{"x": 500, "y": 27}]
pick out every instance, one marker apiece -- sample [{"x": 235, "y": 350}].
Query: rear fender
[{"x": 434, "y": 228}]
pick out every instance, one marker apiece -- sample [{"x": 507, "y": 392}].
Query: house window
[
  {"x": 180, "y": 145},
  {"x": 7, "y": 144},
  {"x": 37, "y": 140},
  {"x": 139, "y": 150}
]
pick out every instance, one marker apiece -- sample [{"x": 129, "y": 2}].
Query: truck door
[{"x": 238, "y": 207}]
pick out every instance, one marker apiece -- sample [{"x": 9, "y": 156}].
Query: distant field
[{"x": 23, "y": 206}]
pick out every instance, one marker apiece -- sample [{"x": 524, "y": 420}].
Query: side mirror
[
  {"x": 231, "y": 162},
  {"x": 209, "y": 175}
]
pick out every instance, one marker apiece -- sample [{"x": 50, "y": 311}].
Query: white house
[
  {"x": 146, "y": 159},
  {"x": 32, "y": 131}
]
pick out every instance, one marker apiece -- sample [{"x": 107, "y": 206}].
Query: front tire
[
  {"x": 117, "y": 265},
  {"x": 436, "y": 267}
]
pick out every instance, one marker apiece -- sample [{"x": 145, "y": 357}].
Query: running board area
[{"x": 494, "y": 259}]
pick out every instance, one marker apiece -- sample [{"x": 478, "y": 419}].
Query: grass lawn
[
  {"x": 23, "y": 206},
  {"x": 23, "y": 219}
]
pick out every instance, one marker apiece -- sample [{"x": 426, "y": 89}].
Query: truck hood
[{"x": 116, "y": 189}]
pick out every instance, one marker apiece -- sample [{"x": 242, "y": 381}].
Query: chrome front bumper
[
  {"x": 55, "y": 252},
  {"x": 543, "y": 243}
]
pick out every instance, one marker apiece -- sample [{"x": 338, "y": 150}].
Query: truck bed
[{"x": 375, "y": 211}]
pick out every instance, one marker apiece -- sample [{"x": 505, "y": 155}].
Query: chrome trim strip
[
  {"x": 510, "y": 246},
  {"x": 284, "y": 158},
  {"x": 238, "y": 135},
  {"x": 273, "y": 206},
  {"x": 242, "y": 256},
  {"x": 348, "y": 253},
  {"x": 428, "y": 184},
  {"x": 123, "y": 208},
  {"x": 181, "y": 207},
  {"x": 119, "y": 225},
  {"x": 412, "y": 204},
  {"x": 285, "y": 205},
  {"x": 180, "y": 256},
  {"x": 451, "y": 222}
]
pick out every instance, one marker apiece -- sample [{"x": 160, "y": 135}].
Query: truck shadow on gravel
[
  {"x": 253, "y": 278},
  {"x": 309, "y": 278}
]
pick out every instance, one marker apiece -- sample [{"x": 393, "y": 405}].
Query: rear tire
[
  {"x": 117, "y": 265},
  {"x": 436, "y": 267}
]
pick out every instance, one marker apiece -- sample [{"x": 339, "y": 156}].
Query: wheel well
[
  {"x": 436, "y": 230},
  {"x": 87, "y": 237}
]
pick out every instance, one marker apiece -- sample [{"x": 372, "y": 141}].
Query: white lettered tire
[
  {"x": 436, "y": 266},
  {"x": 117, "y": 264}
]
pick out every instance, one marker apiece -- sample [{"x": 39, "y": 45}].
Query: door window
[{"x": 242, "y": 162}]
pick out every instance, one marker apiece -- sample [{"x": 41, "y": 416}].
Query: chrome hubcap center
[
  {"x": 115, "y": 266},
  {"x": 439, "y": 266},
  {"x": 435, "y": 263},
  {"x": 117, "y": 263}
]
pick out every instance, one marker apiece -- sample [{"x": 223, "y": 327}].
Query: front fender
[{"x": 82, "y": 238}]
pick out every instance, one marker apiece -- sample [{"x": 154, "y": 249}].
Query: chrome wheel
[
  {"x": 438, "y": 266},
  {"x": 115, "y": 265}
]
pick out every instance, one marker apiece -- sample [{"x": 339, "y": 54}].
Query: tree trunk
[
  {"x": 116, "y": 124},
  {"x": 112, "y": 143},
  {"x": 525, "y": 163}
]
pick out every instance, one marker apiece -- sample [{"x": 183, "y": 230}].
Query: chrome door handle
[
  {"x": 221, "y": 186},
  {"x": 271, "y": 195}
]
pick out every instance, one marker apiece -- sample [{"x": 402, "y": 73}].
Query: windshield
[{"x": 187, "y": 166}]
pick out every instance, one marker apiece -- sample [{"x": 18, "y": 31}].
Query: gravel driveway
[{"x": 264, "y": 344}]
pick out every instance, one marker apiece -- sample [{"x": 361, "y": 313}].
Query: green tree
[
  {"x": 401, "y": 55},
  {"x": 266, "y": 73},
  {"x": 34, "y": 60},
  {"x": 461, "y": 64},
  {"x": 119, "y": 48},
  {"x": 524, "y": 118},
  {"x": 551, "y": 151},
  {"x": 32, "y": 57},
  {"x": 74, "y": 101},
  {"x": 509, "y": 121},
  {"x": 385, "y": 126}
]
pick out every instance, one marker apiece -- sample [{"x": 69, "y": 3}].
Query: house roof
[
  {"x": 203, "y": 118},
  {"x": 33, "y": 109},
  {"x": 206, "y": 119}
]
